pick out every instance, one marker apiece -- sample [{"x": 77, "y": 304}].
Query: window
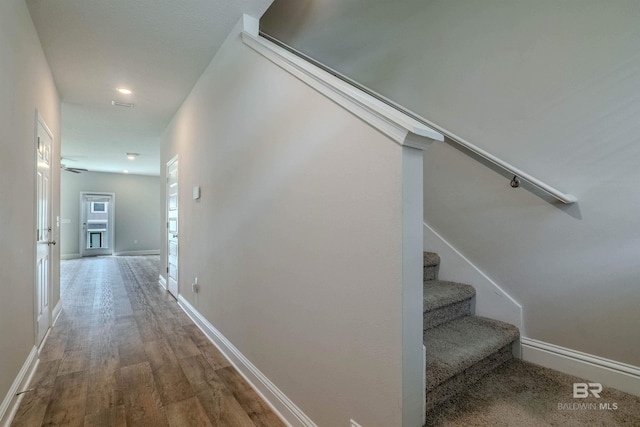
[{"x": 98, "y": 207}]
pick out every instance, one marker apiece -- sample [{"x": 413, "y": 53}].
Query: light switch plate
[{"x": 196, "y": 192}]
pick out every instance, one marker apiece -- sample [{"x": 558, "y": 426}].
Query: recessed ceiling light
[
  {"x": 125, "y": 171},
  {"x": 124, "y": 91},
  {"x": 132, "y": 156}
]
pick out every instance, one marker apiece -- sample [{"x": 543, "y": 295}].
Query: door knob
[
  {"x": 51, "y": 242},
  {"x": 175, "y": 235}
]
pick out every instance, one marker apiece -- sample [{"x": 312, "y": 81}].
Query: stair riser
[
  {"x": 460, "y": 383},
  {"x": 430, "y": 272},
  {"x": 442, "y": 315}
]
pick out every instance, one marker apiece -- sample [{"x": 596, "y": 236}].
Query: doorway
[
  {"x": 44, "y": 236},
  {"x": 172, "y": 226},
  {"x": 97, "y": 223}
]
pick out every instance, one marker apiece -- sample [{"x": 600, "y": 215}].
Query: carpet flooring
[{"x": 520, "y": 394}]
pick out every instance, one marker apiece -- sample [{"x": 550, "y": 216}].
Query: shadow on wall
[{"x": 572, "y": 209}]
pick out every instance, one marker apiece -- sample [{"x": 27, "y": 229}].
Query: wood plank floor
[{"x": 123, "y": 353}]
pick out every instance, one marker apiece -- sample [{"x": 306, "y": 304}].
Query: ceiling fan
[
  {"x": 74, "y": 170},
  {"x": 69, "y": 169}
]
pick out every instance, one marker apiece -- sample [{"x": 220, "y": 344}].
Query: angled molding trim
[
  {"x": 275, "y": 398},
  {"x": 491, "y": 300},
  {"x": 401, "y": 128},
  {"x": 605, "y": 371}
]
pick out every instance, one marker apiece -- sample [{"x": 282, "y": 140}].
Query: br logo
[{"x": 582, "y": 390}]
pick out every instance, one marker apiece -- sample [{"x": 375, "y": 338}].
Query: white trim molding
[
  {"x": 56, "y": 313},
  {"x": 162, "y": 282},
  {"x": 424, "y": 381},
  {"x": 111, "y": 218},
  {"x": 390, "y": 107},
  {"x": 141, "y": 252},
  {"x": 398, "y": 126},
  {"x": 274, "y": 397},
  {"x": 608, "y": 372},
  {"x": 11, "y": 402},
  {"x": 491, "y": 300},
  {"x": 69, "y": 256}
]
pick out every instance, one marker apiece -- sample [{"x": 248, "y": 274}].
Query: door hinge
[
  {"x": 167, "y": 269},
  {"x": 167, "y": 224}
]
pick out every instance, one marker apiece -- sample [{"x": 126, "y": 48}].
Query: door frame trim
[
  {"x": 112, "y": 221},
  {"x": 39, "y": 120},
  {"x": 165, "y": 228}
]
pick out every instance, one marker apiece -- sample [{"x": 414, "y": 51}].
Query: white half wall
[
  {"x": 137, "y": 216},
  {"x": 297, "y": 238}
]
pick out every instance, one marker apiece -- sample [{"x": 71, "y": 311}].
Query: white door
[
  {"x": 44, "y": 236},
  {"x": 172, "y": 226},
  {"x": 97, "y": 223}
]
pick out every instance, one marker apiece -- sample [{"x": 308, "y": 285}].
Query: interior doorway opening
[{"x": 97, "y": 224}]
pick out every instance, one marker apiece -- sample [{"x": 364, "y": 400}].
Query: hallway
[{"x": 123, "y": 353}]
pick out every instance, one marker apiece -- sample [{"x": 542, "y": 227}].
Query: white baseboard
[
  {"x": 11, "y": 402},
  {"x": 70, "y": 256},
  {"x": 162, "y": 282},
  {"x": 142, "y": 252},
  {"x": 607, "y": 372},
  {"x": 491, "y": 300},
  {"x": 276, "y": 399},
  {"x": 424, "y": 381},
  {"x": 56, "y": 313}
]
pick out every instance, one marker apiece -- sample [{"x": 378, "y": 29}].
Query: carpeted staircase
[{"x": 461, "y": 348}]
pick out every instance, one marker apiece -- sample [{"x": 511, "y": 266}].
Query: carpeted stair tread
[
  {"x": 430, "y": 266},
  {"x": 439, "y": 293},
  {"x": 455, "y": 346},
  {"x": 431, "y": 259}
]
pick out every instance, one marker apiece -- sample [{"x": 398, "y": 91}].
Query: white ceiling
[{"x": 157, "y": 48}]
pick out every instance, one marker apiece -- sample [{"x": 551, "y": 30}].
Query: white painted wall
[
  {"x": 549, "y": 86},
  {"x": 297, "y": 238},
  {"x": 490, "y": 300},
  {"x": 25, "y": 84},
  {"x": 137, "y": 217}
]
